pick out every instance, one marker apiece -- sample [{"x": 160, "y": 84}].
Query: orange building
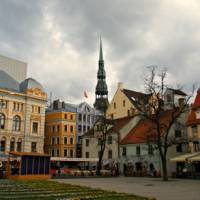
[{"x": 60, "y": 131}]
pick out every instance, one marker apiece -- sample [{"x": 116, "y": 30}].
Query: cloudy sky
[{"x": 59, "y": 39}]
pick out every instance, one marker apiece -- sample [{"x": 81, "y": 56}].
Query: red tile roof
[
  {"x": 192, "y": 116},
  {"x": 120, "y": 123},
  {"x": 197, "y": 100},
  {"x": 117, "y": 125},
  {"x": 145, "y": 129}
]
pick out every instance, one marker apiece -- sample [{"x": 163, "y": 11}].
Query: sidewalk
[{"x": 175, "y": 189}]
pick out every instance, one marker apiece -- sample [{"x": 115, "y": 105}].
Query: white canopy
[{"x": 184, "y": 157}]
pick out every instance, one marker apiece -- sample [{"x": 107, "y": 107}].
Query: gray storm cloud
[{"x": 60, "y": 41}]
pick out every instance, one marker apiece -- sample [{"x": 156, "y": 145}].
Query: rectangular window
[
  {"x": 65, "y": 140},
  {"x": 179, "y": 148},
  {"x": 110, "y": 154},
  {"x": 124, "y": 151},
  {"x": 58, "y": 128},
  {"x": 124, "y": 103},
  {"x": 35, "y": 127},
  {"x": 53, "y": 140},
  {"x": 177, "y": 133},
  {"x": 87, "y": 154},
  {"x": 87, "y": 142},
  {"x": 65, "y": 152},
  {"x": 138, "y": 150},
  {"x": 52, "y": 153},
  {"x": 33, "y": 147},
  {"x": 79, "y": 128},
  {"x": 65, "y": 128},
  {"x": 58, "y": 152},
  {"x": 71, "y": 129},
  {"x": 71, "y": 117},
  {"x": 58, "y": 140},
  {"x": 38, "y": 109},
  {"x": 71, "y": 153},
  {"x": 71, "y": 140},
  {"x": 53, "y": 129},
  {"x": 194, "y": 129},
  {"x": 65, "y": 116},
  {"x": 196, "y": 146},
  {"x": 150, "y": 149},
  {"x": 79, "y": 117}
]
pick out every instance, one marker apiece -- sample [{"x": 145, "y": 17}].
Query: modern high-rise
[{"x": 15, "y": 68}]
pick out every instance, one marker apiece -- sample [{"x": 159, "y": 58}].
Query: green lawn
[{"x": 56, "y": 191}]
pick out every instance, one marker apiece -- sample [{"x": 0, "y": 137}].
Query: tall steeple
[{"x": 101, "y": 102}]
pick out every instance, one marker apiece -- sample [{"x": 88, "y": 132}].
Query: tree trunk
[
  {"x": 99, "y": 164},
  {"x": 164, "y": 168}
]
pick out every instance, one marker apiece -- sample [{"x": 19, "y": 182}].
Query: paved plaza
[{"x": 175, "y": 189}]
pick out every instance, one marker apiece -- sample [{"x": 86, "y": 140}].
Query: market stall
[{"x": 23, "y": 165}]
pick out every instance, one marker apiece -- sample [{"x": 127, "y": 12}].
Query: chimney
[{"x": 120, "y": 86}]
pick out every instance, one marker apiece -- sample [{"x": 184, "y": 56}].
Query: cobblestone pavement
[{"x": 175, "y": 189}]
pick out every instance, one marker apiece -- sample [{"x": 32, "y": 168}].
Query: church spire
[
  {"x": 100, "y": 51},
  {"x": 101, "y": 92}
]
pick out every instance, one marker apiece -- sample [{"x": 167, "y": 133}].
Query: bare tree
[
  {"x": 156, "y": 110},
  {"x": 103, "y": 125}
]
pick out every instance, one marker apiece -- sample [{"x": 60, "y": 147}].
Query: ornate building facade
[{"x": 22, "y": 115}]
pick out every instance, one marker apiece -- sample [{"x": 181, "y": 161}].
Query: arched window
[
  {"x": 16, "y": 123},
  {"x": 19, "y": 145},
  {"x": 2, "y": 121},
  {"x": 12, "y": 144},
  {"x": 3, "y": 144}
]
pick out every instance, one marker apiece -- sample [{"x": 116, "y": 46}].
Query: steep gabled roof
[
  {"x": 192, "y": 119},
  {"x": 145, "y": 129},
  {"x": 118, "y": 124},
  {"x": 134, "y": 96},
  {"x": 197, "y": 100},
  {"x": 178, "y": 91}
]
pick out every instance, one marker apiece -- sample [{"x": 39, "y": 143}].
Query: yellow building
[
  {"x": 193, "y": 125},
  {"x": 60, "y": 131},
  {"x": 122, "y": 104},
  {"x": 22, "y": 112}
]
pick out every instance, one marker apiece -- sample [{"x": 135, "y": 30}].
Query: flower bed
[{"x": 54, "y": 191}]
